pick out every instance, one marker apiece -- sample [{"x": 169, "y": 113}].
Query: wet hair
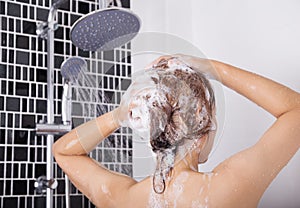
[{"x": 189, "y": 107}]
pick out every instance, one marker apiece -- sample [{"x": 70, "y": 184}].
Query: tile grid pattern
[{"x": 23, "y": 94}]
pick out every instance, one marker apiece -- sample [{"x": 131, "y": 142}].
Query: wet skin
[{"x": 239, "y": 181}]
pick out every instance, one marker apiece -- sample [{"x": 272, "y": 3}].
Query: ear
[
  {"x": 201, "y": 142},
  {"x": 205, "y": 148}
]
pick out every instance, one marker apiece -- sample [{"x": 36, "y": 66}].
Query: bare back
[
  {"x": 239, "y": 181},
  {"x": 195, "y": 190}
]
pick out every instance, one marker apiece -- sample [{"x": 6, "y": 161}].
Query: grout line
[{"x": 39, "y": 146}]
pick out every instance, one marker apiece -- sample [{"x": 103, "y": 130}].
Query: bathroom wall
[
  {"x": 23, "y": 94},
  {"x": 261, "y": 36}
]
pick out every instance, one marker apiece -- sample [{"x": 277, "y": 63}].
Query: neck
[
  {"x": 190, "y": 159},
  {"x": 188, "y": 163}
]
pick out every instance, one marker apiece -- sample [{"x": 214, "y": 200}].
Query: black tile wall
[
  {"x": 65, "y": 6},
  {"x": 42, "y": 14},
  {"x": 21, "y": 187},
  {"x": 12, "y": 104},
  {"x": 2, "y": 71},
  {"x": 21, "y": 137},
  {"x": 22, "y": 42},
  {"x": 29, "y": 27},
  {"x": 13, "y": 9},
  {"x": 41, "y": 75},
  {"x": 2, "y": 8},
  {"x": 39, "y": 201},
  {"x": 74, "y": 18},
  {"x": 1, "y": 103},
  {"x": 2, "y": 154},
  {"x": 22, "y": 58},
  {"x": 24, "y": 1},
  {"x": 28, "y": 121},
  {"x": 10, "y": 202},
  {"x": 22, "y": 89},
  {"x": 23, "y": 94},
  {"x": 83, "y": 7},
  {"x": 20, "y": 154}
]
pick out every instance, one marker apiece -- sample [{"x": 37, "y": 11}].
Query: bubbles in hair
[
  {"x": 178, "y": 117},
  {"x": 163, "y": 171},
  {"x": 192, "y": 100}
]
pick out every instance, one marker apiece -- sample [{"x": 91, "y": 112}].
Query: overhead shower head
[
  {"x": 71, "y": 68},
  {"x": 105, "y": 29}
]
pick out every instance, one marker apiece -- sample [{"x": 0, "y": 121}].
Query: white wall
[{"x": 260, "y": 36}]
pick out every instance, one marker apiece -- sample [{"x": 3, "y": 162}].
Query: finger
[
  {"x": 157, "y": 61},
  {"x": 136, "y": 90},
  {"x": 175, "y": 62}
]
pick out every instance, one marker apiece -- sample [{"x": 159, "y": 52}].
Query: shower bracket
[
  {"x": 41, "y": 184},
  {"x": 43, "y": 27},
  {"x": 52, "y": 129}
]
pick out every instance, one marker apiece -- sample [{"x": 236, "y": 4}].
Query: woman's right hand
[
  {"x": 201, "y": 65},
  {"x": 141, "y": 84},
  {"x": 122, "y": 113}
]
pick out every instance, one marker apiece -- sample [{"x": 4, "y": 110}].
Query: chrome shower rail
[
  {"x": 50, "y": 100},
  {"x": 46, "y": 30}
]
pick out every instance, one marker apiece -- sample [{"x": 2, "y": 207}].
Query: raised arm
[
  {"x": 252, "y": 170},
  {"x": 99, "y": 184},
  {"x": 83, "y": 139},
  {"x": 275, "y": 98},
  {"x": 257, "y": 166}
]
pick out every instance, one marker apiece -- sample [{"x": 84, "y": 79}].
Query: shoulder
[
  {"x": 113, "y": 192},
  {"x": 223, "y": 188},
  {"x": 233, "y": 183},
  {"x": 130, "y": 193},
  {"x": 248, "y": 173}
]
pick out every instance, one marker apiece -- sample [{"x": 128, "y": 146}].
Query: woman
[{"x": 239, "y": 181}]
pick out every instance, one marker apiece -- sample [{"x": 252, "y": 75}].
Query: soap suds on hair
[{"x": 173, "y": 112}]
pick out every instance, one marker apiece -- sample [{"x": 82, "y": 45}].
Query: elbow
[
  {"x": 294, "y": 115},
  {"x": 67, "y": 145},
  {"x": 55, "y": 151},
  {"x": 297, "y": 111},
  {"x": 59, "y": 147},
  {"x": 291, "y": 105},
  {"x": 293, "y": 110},
  {"x": 295, "y": 103},
  {"x": 58, "y": 155}
]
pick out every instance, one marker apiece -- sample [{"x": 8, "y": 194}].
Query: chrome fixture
[
  {"x": 105, "y": 29},
  {"x": 70, "y": 70},
  {"x": 46, "y": 30},
  {"x": 42, "y": 184},
  {"x": 43, "y": 28}
]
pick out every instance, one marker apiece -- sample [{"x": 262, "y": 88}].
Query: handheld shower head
[
  {"x": 70, "y": 70},
  {"x": 105, "y": 29}
]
